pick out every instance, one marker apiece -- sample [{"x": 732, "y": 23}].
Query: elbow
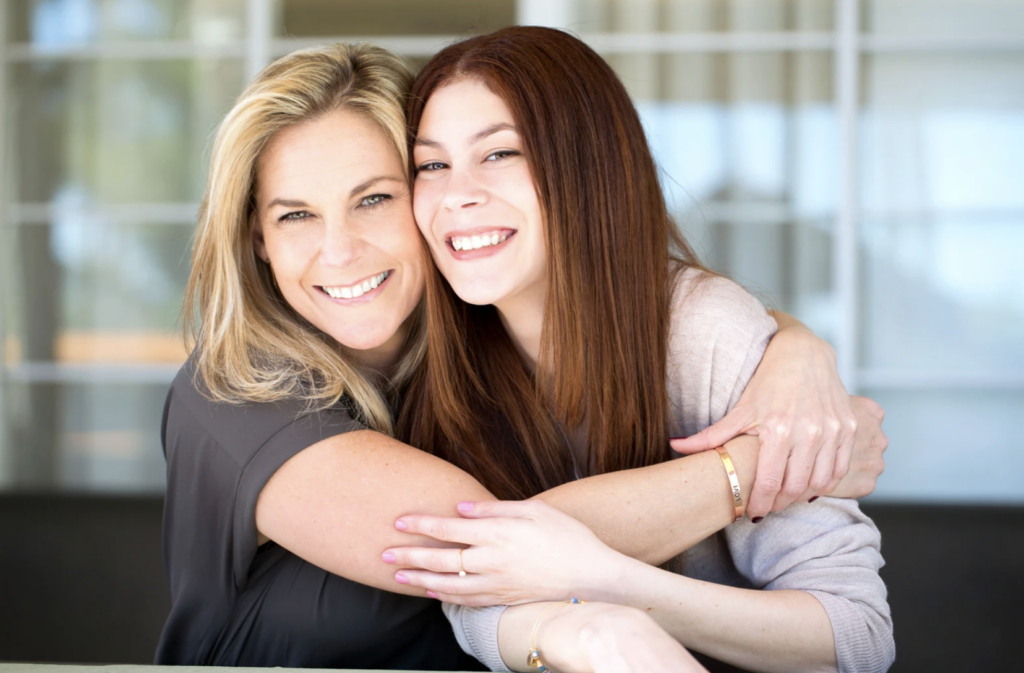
[{"x": 863, "y": 634}]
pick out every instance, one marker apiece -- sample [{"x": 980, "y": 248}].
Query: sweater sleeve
[
  {"x": 831, "y": 550},
  {"x": 476, "y": 629}
]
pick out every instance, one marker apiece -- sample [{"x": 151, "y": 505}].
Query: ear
[{"x": 256, "y": 234}]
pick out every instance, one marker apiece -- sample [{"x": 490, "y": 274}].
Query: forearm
[
  {"x": 785, "y": 631},
  {"x": 655, "y": 513}
]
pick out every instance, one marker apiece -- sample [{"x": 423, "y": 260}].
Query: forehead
[
  {"x": 335, "y": 151},
  {"x": 461, "y": 108}
]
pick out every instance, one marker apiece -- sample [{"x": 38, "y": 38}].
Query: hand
[
  {"x": 868, "y": 446},
  {"x": 520, "y": 552},
  {"x": 797, "y": 406},
  {"x": 603, "y": 638}
]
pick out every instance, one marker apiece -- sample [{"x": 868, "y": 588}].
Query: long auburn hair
[
  {"x": 612, "y": 252},
  {"x": 250, "y": 345}
]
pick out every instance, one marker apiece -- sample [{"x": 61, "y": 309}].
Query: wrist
[{"x": 605, "y": 578}]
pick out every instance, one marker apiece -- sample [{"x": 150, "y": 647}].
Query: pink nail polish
[
  {"x": 431, "y": 594},
  {"x": 400, "y": 525},
  {"x": 465, "y": 507},
  {"x": 388, "y": 557},
  {"x": 401, "y": 578}
]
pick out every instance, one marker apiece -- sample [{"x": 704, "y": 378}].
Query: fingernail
[
  {"x": 465, "y": 507},
  {"x": 388, "y": 557},
  {"x": 400, "y": 525},
  {"x": 401, "y": 578},
  {"x": 671, "y": 438},
  {"x": 431, "y": 594},
  {"x": 814, "y": 498},
  {"x": 757, "y": 519}
]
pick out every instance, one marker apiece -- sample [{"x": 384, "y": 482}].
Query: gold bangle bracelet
[
  {"x": 533, "y": 658},
  {"x": 734, "y": 482}
]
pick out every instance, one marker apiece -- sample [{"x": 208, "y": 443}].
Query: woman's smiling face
[
  {"x": 334, "y": 221},
  {"x": 475, "y": 199}
]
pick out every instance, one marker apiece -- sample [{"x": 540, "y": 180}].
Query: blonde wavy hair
[{"x": 248, "y": 344}]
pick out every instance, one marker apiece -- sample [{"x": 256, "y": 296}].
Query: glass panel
[
  {"x": 746, "y": 145},
  {"x": 68, "y": 22},
  {"x": 943, "y": 293},
  {"x": 943, "y": 228},
  {"x": 82, "y": 291},
  {"x": 949, "y": 446},
  {"x": 116, "y": 131},
  {"x": 332, "y": 18},
  {"x": 84, "y": 436},
  {"x": 943, "y": 18},
  {"x": 691, "y": 16}
]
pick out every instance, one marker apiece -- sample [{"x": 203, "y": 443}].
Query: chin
[
  {"x": 363, "y": 338},
  {"x": 479, "y": 293}
]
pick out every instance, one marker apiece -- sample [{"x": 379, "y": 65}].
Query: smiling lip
[
  {"x": 363, "y": 298},
  {"x": 487, "y": 251}
]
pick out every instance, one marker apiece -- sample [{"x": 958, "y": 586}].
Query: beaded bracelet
[{"x": 533, "y": 659}]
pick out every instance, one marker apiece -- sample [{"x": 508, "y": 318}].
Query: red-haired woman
[{"x": 576, "y": 333}]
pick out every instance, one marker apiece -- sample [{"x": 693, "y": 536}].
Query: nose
[
  {"x": 342, "y": 245},
  {"x": 463, "y": 190}
]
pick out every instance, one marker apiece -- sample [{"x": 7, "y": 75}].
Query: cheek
[
  {"x": 424, "y": 206},
  {"x": 291, "y": 253}
]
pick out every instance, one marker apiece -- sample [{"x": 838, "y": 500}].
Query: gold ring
[{"x": 462, "y": 570}]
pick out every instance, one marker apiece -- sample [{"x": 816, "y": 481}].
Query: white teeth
[
  {"x": 357, "y": 290},
  {"x": 478, "y": 241}
]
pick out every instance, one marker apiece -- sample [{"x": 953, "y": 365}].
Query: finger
[
  {"x": 844, "y": 456},
  {"x": 446, "y": 583},
  {"x": 508, "y": 509},
  {"x": 771, "y": 468},
  {"x": 445, "y": 528},
  {"x": 425, "y": 558},
  {"x": 735, "y": 423},
  {"x": 823, "y": 469},
  {"x": 798, "y": 469}
]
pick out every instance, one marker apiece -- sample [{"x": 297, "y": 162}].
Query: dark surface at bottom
[{"x": 81, "y": 580}]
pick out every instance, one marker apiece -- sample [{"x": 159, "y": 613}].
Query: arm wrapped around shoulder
[{"x": 831, "y": 550}]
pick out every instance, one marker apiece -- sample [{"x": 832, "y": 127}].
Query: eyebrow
[
  {"x": 293, "y": 203},
  {"x": 477, "y": 137}
]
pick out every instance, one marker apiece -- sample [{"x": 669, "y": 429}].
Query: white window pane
[
  {"x": 116, "y": 131},
  {"x": 952, "y": 446},
  {"x": 53, "y": 23},
  {"x": 943, "y": 18}
]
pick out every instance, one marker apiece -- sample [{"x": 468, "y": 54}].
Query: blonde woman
[{"x": 283, "y": 480}]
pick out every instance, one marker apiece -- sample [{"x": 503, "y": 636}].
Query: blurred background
[{"x": 857, "y": 163}]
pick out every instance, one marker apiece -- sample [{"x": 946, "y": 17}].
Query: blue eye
[
  {"x": 431, "y": 166},
  {"x": 374, "y": 200}
]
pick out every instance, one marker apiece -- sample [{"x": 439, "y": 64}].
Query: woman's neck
[
  {"x": 385, "y": 357},
  {"x": 523, "y": 318}
]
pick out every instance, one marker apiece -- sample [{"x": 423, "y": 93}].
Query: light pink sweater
[{"x": 829, "y": 549}]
